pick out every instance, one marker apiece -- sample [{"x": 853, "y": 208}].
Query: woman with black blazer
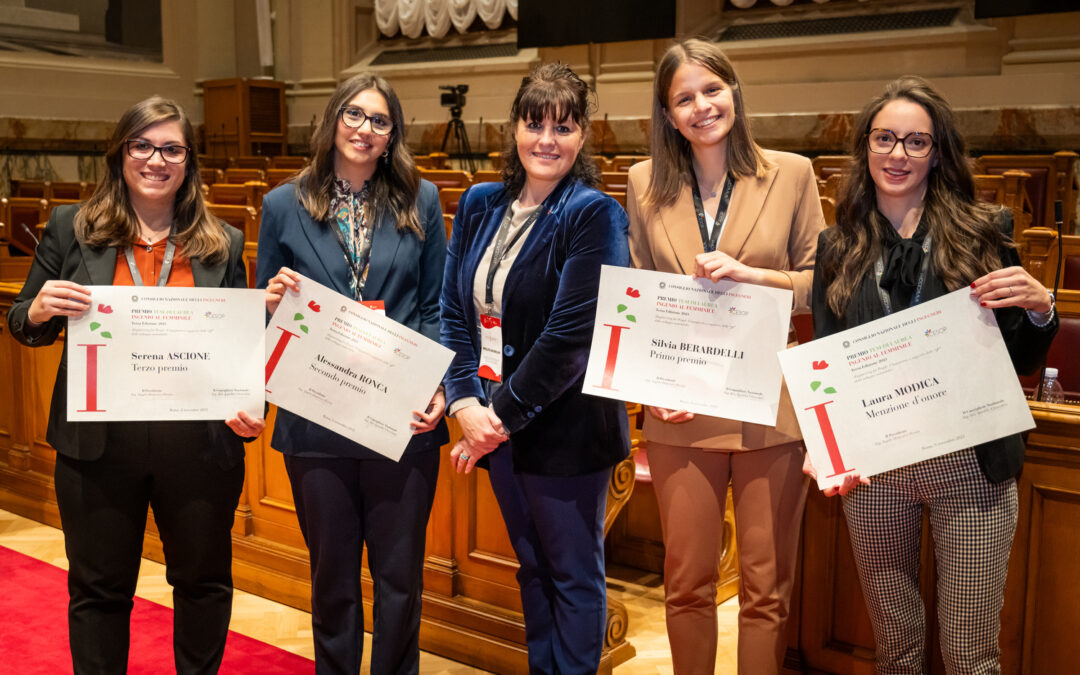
[
  {"x": 107, "y": 473},
  {"x": 908, "y": 230},
  {"x": 358, "y": 219},
  {"x": 518, "y": 304}
]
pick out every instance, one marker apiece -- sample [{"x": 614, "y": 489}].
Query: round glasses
[
  {"x": 173, "y": 154},
  {"x": 916, "y": 144},
  {"x": 354, "y": 118}
]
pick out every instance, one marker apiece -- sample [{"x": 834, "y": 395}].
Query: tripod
[{"x": 461, "y": 138}]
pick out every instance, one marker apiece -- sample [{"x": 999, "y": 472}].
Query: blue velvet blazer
[
  {"x": 549, "y": 304},
  {"x": 405, "y": 273}
]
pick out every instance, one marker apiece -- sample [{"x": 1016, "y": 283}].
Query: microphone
[{"x": 33, "y": 236}]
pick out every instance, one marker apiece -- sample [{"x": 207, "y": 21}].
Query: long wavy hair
[
  {"x": 965, "y": 233},
  {"x": 553, "y": 91},
  {"x": 396, "y": 182},
  {"x": 671, "y": 153},
  {"x": 108, "y": 218}
]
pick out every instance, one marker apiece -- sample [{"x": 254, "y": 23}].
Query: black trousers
[
  {"x": 103, "y": 507},
  {"x": 342, "y": 504}
]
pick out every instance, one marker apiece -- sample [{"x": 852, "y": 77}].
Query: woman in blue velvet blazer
[
  {"x": 538, "y": 241},
  {"x": 359, "y": 220}
]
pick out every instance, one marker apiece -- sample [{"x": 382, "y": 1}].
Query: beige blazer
[{"x": 773, "y": 222}]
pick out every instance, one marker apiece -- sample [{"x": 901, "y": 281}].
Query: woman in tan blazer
[{"x": 711, "y": 203}]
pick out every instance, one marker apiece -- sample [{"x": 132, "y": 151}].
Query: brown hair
[
  {"x": 395, "y": 184},
  {"x": 108, "y": 219},
  {"x": 671, "y": 154},
  {"x": 553, "y": 91},
  {"x": 965, "y": 233}
]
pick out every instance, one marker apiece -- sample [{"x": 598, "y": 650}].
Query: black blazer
[
  {"x": 549, "y": 305},
  {"x": 61, "y": 256},
  {"x": 1000, "y": 459},
  {"x": 405, "y": 272}
]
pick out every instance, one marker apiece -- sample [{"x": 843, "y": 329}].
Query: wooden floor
[{"x": 290, "y": 629}]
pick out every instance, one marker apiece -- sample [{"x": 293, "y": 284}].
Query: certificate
[
  {"x": 688, "y": 344},
  {"x": 349, "y": 368},
  {"x": 150, "y": 353},
  {"x": 924, "y": 382}
]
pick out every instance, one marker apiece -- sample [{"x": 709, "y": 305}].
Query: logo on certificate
[{"x": 623, "y": 309}]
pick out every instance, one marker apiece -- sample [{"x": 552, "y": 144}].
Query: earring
[{"x": 386, "y": 156}]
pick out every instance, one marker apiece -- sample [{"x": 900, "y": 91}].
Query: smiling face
[
  {"x": 548, "y": 149},
  {"x": 896, "y": 175},
  {"x": 359, "y": 149},
  {"x": 700, "y": 106},
  {"x": 153, "y": 180}
]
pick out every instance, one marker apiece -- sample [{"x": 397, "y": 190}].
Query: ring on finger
[{"x": 464, "y": 457}]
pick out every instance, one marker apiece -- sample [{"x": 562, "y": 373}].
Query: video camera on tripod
[{"x": 455, "y": 100}]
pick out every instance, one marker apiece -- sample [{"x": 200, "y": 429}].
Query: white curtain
[
  {"x": 411, "y": 17},
  {"x": 462, "y": 14},
  {"x": 437, "y": 17}
]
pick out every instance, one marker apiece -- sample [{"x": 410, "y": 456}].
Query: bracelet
[{"x": 1049, "y": 315}]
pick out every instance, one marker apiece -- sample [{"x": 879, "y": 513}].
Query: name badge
[
  {"x": 375, "y": 305},
  {"x": 490, "y": 348}
]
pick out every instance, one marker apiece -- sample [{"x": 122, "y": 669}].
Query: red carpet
[{"x": 34, "y": 640}]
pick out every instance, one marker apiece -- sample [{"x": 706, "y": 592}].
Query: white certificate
[
  {"x": 145, "y": 353},
  {"x": 349, "y": 368},
  {"x": 924, "y": 382},
  {"x": 688, "y": 344}
]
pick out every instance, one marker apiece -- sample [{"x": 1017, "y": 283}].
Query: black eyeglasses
[
  {"x": 916, "y": 144},
  {"x": 173, "y": 154},
  {"x": 354, "y": 118}
]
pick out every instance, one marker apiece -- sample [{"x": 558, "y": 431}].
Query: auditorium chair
[
  {"x": 251, "y": 249},
  {"x": 830, "y": 187},
  {"x": 602, "y": 163},
  {"x": 829, "y": 165},
  {"x": 622, "y": 163},
  {"x": 497, "y": 161},
  {"x": 37, "y": 189},
  {"x": 292, "y": 162},
  {"x": 449, "y": 198},
  {"x": 436, "y": 161},
  {"x": 1007, "y": 189},
  {"x": 447, "y": 178},
  {"x": 1063, "y": 356},
  {"x": 248, "y": 194},
  {"x": 614, "y": 181},
  {"x": 486, "y": 176},
  {"x": 210, "y": 175},
  {"x": 237, "y": 175},
  {"x": 243, "y": 218},
  {"x": 828, "y": 209},
  {"x": 77, "y": 190},
  {"x": 22, "y": 216},
  {"x": 1051, "y": 177},
  {"x": 250, "y": 162},
  {"x": 214, "y": 161},
  {"x": 275, "y": 177},
  {"x": 448, "y": 223}
]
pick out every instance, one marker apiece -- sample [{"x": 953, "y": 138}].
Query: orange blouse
[{"x": 149, "y": 262}]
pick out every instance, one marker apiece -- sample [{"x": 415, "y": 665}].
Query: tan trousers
[{"x": 769, "y": 491}]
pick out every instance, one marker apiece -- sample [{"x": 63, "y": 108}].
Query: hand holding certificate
[
  {"x": 924, "y": 382},
  {"x": 156, "y": 353},
  {"x": 350, "y": 368},
  {"x": 689, "y": 344}
]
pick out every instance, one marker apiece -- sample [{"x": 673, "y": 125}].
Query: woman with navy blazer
[
  {"x": 518, "y": 303},
  {"x": 359, "y": 220}
]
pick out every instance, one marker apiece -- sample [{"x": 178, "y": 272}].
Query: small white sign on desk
[
  {"x": 145, "y": 353},
  {"x": 924, "y": 382},
  {"x": 688, "y": 344},
  {"x": 349, "y": 368}
]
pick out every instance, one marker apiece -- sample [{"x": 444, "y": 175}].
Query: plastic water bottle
[{"x": 1051, "y": 388}]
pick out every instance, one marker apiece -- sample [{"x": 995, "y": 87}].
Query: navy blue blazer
[
  {"x": 61, "y": 256},
  {"x": 404, "y": 273},
  {"x": 549, "y": 304}
]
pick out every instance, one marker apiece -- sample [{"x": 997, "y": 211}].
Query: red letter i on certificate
[
  {"x": 91, "y": 378},
  {"x": 279, "y": 349}
]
